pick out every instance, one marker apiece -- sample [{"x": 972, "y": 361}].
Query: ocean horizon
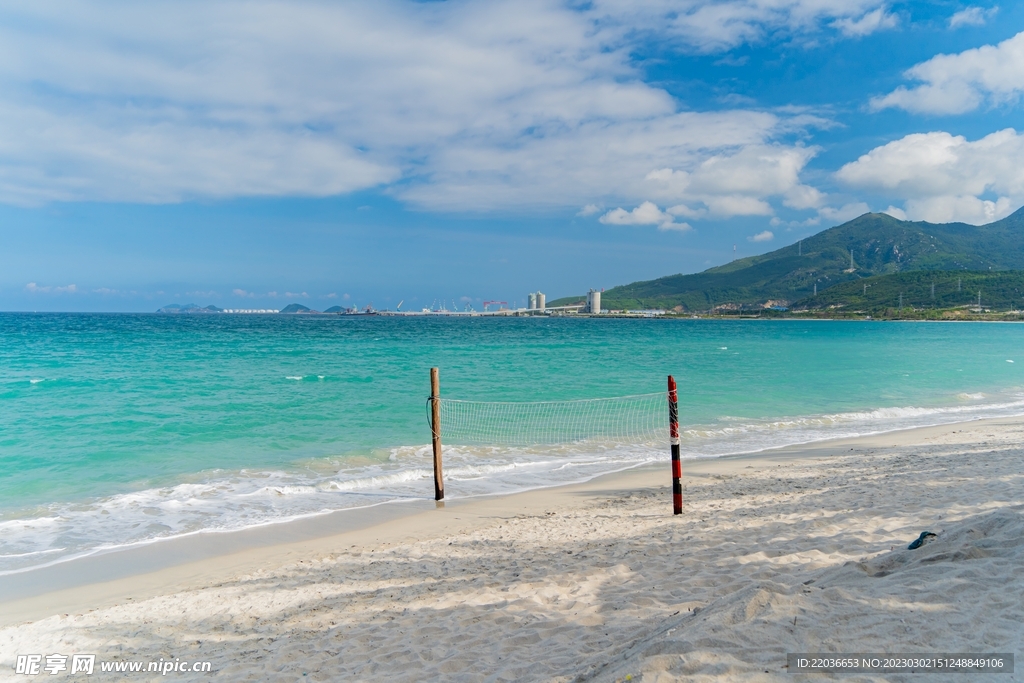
[{"x": 120, "y": 429}]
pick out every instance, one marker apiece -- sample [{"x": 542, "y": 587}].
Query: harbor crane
[{"x": 500, "y": 303}]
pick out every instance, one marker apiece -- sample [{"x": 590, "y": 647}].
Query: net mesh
[{"x": 641, "y": 419}]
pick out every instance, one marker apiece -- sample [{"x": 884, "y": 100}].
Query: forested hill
[{"x": 880, "y": 244}]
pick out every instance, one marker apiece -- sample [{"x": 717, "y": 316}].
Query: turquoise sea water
[{"x": 122, "y": 429}]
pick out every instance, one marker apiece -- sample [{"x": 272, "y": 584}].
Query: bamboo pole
[
  {"x": 673, "y": 432},
  {"x": 435, "y": 428}
]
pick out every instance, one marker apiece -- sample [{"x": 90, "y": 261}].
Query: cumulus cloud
[
  {"x": 955, "y": 84},
  {"x": 776, "y": 222},
  {"x": 942, "y": 177},
  {"x": 847, "y": 212},
  {"x": 765, "y": 236},
  {"x": 647, "y": 213},
  {"x": 588, "y": 210},
  {"x": 738, "y": 183},
  {"x": 293, "y": 295},
  {"x": 875, "y": 20},
  {"x": 972, "y": 16},
  {"x": 243, "y": 293},
  {"x": 714, "y": 25},
  {"x": 477, "y": 105}
]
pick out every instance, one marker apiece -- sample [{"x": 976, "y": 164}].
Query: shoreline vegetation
[{"x": 803, "y": 549}]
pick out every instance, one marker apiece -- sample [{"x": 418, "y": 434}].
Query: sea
[{"x": 125, "y": 429}]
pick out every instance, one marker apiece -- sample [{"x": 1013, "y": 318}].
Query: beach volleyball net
[{"x": 639, "y": 419}]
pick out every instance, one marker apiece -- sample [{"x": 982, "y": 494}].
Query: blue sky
[{"x": 252, "y": 154}]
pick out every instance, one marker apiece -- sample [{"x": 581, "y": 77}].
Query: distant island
[
  {"x": 874, "y": 264},
  {"x": 297, "y": 308},
  {"x": 290, "y": 308}
]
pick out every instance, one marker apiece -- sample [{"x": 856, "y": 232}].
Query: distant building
[
  {"x": 533, "y": 301},
  {"x": 541, "y": 301},
  {"x": 593, "y": 301}
]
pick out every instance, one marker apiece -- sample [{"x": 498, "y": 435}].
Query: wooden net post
[
  {"x": 673, "y": 432},
  {"x": 435, "y": 428}
]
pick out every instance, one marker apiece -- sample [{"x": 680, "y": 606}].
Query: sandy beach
[{"x": 798, "y": 550}]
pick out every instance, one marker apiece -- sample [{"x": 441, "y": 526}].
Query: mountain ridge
[{"x": 880, "y": 243}]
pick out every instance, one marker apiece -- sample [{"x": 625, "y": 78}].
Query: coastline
[
  {"x": 755, "y": 528},
  {"x": 180, "y": 562}
]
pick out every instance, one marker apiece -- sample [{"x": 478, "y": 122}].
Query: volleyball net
[
  {"x": 634, "y": 420},
  {"x": 640, "y": 419}
]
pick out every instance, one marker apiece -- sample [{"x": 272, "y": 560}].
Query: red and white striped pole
[{"x": 673, "y": 432}]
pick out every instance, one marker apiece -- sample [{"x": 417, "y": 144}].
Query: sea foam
[{"x": 228, "y": 501}]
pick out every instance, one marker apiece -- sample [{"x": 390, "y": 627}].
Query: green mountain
[
  {"x": 296, "y": 308},
  {"x": 924, "y": 290},
  {"x": 879, "y": 243}
]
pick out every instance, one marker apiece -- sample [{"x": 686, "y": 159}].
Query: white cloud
[
  {"x": 954, "y": 84},
  {"x": 737, "y": 205},
  {"x": 738, "y": 182},
  {"x": 647, "y": 213},
  {"x": 243, "y": 293},
  {"x": 944, "y": 178},
  {"x": 476, "y": 105},
  {"x": 961, "y": 208},
  {"x": 803, "y": 197},
  {"x": 972, "y": 16},
  {"x": 847, "y": 212},
  {"x": 765, "y": 236},
  {"x": 714, "y": 25},
  {"x": 293, "y": 295},
  {"x": 332, "y": 295},
  {"x": 896, "y": 212},
  {"x": 588, "y": 210},
  {"x": 776, "y": 222},
  {"x": 875, "y": 20},
  {"x": 686, "y": 212},
  {"x": 37, "y": 289}
]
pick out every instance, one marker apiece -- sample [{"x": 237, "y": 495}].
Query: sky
[{"x": 255, "y": 154}]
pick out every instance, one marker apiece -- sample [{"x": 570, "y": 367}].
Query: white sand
[{"x": 797, "y": 551}]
